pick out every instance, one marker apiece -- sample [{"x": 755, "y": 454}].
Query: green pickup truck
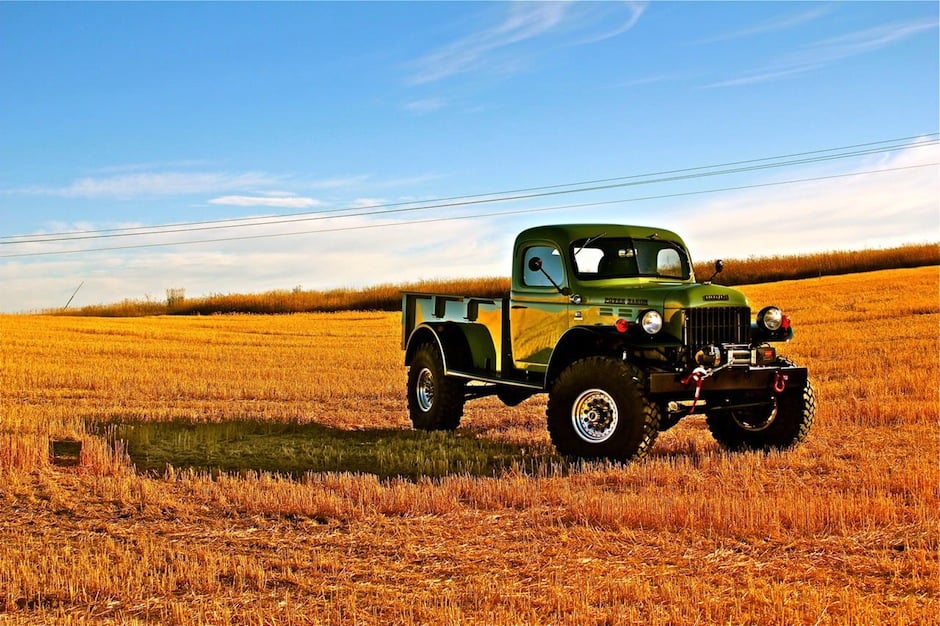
[{"x": 609, "y": 321}]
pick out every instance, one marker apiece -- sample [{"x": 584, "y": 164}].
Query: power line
[
  {"x": 800, "y": 158},
  {"x": 471, "y": 216}
]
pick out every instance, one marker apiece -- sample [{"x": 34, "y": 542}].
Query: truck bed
[{"x": 420, "y": 307}]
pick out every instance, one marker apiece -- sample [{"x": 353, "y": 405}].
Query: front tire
[
  {"x": 598, "y": 409},
  {"x": 435, "y": 401},
  {"x": 784, "y": 422}
]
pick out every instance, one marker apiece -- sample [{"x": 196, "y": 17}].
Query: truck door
[{"x": 538, "y": 312}]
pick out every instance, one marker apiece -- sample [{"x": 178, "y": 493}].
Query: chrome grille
[{"x": 719, "y": 325}]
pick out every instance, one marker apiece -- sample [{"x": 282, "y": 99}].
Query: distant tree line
[{"x": 387, "y": 297}]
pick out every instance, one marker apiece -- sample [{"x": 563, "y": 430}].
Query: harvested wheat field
[{"x": 262, "y": 470}]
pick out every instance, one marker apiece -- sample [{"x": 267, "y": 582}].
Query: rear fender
[{"x": 465, "y": 347}]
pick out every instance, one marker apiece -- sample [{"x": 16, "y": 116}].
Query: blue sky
[{"x": 353, "y": 118}]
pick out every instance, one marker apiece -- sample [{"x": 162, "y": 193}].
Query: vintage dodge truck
[{"x": 610, "y": 322}]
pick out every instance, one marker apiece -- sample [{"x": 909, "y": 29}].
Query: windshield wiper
[{"x": 588, "y": 242}]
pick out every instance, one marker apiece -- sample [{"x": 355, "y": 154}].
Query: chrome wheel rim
[
  {"x": 594, "y": 416},
  {"x": 424, "y": 390}
]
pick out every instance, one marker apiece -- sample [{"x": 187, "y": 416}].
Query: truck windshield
[{"x": 622, "y": 257}]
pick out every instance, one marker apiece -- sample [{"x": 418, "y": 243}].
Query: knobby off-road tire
[
  {"x": 598, "y": 409},
  {"x": 435, "y": 401},
  {"x": 756, "y": 429}
]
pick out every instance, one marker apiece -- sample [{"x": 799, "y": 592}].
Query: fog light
[{"x": 709, "y": 356}]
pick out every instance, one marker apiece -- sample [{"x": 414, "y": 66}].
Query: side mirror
[
  {"x": 719, "y": 266},
  {"x": 535, "y": 265}
]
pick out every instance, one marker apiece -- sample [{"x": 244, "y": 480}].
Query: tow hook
[
  {"x": 697, "y": 377},
  {"x": 780, "y": 382}
]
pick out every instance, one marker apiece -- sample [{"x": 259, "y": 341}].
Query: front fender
[
  {"x": 762, "y": 335},
  {"x": 579, "y": 342}
]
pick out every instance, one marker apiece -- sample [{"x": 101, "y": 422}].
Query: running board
[{"x": 494, "y": 381}]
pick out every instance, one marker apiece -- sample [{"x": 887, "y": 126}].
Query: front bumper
[{"x": 731, "y": 379}]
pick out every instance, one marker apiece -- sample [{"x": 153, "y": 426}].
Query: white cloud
[
  {"x": 826, "y": 52},
  {"x": 154, "y": 184},
  {"x": 367, "y": 203},
  {"x": 766, "y": 75},
  {"x": 280, "y": 201},
  {"x": 355, "y": 253},
  {"x": 635, "y": 11},
  {"x": 885, "y": 209},
  {"x": 426, "y": 105},
  {"x": 864, "y": 211},
  {"x": 525, "y": 21},
  {"x": 772, "y": 25},
  {"x": 863, "y": 41},
  {"x": 338, "y": 182}
]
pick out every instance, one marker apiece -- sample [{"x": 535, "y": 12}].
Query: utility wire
[
  {"x": 504, "y": 196},
  {"x": 497, "y": 193},
  {"x": 471, "y": 216}
]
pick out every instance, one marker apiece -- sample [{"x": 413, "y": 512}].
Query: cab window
[
  {"x": 621, "y": 257},
  {"x": 551, "y": 264},
  {"x": 669, "y": 263}
]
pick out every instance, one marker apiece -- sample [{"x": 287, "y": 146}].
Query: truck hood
[
  {"x": 671, "y": 296},
  {"x": 698, "y": 295}
]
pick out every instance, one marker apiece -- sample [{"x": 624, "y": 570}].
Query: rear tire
[
  {"x": 435, "y": 401},
  {"x": 785, "y": 421},
  {"x": 598, "y": 409}
]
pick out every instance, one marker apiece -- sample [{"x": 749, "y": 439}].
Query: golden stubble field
[{"x": 841, "y": 530}]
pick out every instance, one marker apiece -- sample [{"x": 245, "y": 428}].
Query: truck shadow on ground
[{"x": 296, "y": 449}]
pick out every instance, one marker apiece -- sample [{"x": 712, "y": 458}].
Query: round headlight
[
  {"x": 770, "y": 318},
  {"x": 652, "y": 322}
]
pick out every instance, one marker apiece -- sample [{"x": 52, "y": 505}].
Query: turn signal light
[{"x": 622, "y": 325}]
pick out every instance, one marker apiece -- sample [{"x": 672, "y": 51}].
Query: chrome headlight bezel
[
  {"x": 770, "y": 318},
  {"x": 651, "y": 321}
]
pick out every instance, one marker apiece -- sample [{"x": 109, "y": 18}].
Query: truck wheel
[
  {"x": 435, "y": 402},
  {"x": 598, "y": 409},
  {"x": 782, "y": 422}
]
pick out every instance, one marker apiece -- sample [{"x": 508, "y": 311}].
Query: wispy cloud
[
  {"x": 274, "y": 200},
  {"x": 425, "y": 105},
  {"x": 656, "y": 79},
  {"x": 766, "y": 75},
  {"x": 153, "y": 184},
  {"x": 773, "y": 25},
  {"x": 870, "y": 39},
  {"x": 634, "y": 12},
  {"x": 524, "y": 22},
  {"x": 338, "y": 182},
  {"x": 239, "y": 188},
  {"x": 828, "y": 51}
]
